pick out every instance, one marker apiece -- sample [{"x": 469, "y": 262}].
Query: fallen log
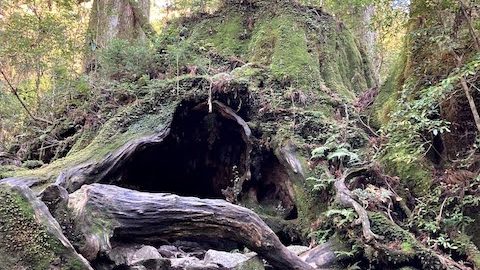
[{"x": 103, "y": 213}]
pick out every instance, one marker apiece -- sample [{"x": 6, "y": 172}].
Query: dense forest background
[{"x": 353, "y": 123}]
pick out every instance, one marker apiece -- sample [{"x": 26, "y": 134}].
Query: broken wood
[
  {"x": 103, "y": 213},
  {"x": 108, "y": 168}
]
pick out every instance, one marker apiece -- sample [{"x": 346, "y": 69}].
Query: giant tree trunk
[
  {"x": 111, "y": 19},
  {"x": 104, "y": 213}
]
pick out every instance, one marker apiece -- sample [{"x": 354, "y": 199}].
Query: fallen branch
[
  {"x": 471, "y": 102},
  {"x": 15, "y": 93}
]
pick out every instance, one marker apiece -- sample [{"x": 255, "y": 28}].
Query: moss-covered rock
[{"x": 29, "y": 236}]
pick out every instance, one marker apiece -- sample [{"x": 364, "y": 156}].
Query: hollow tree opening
[
  {"x": 205, "y": 155},
  {"x": 270, "y": 186}
]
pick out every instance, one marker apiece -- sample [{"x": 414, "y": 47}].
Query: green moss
[
  {"x": 225, "y": 33},
  {"x": 342, "y": 66},
  {"x": 386, "y": 101},
  {"x": 407, "y": 247},
  {"x": 281, "y": 42},
  {"x": 32, "y": 164},
  {"x": 23, "y": 241},
  {"x": 416, "y": 176},
  {"x": 9, "y": 171},
  {"x": 310, "y": 203},
  {"x": 246, "y": 72},
  {"x": 403, "y": 246}
]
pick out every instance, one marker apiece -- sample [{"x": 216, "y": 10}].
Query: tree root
[{"x": 345, "y": 198}]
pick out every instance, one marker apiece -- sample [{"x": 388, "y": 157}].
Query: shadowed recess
[{"x": 204, "y": 154}]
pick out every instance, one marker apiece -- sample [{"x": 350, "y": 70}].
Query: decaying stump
[
  {"x": 103, "y": 212},
  {"x": 112, "y": 167}
]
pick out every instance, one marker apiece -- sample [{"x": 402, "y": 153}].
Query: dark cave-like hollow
[
  {"x": 210, "y": 155},
  {"x": 203, "y": 155},
  {"x": 270, "y": 186}
]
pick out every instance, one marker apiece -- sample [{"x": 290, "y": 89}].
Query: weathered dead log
[
  {"x": 72, "y": 179},
  {"x": 20, "y": 181},
  {"x": 105, "y": 212}
]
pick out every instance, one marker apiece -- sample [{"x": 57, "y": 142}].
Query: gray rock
[
  {"x": 225, "y": 259},
  {"x": 298, "y": 249},
  {"x": 143, "y": 254},
  {"x": 233, "y": 261},
  {"x": 138, "y": 267},
  {"x": 155, "y": 264},
  {"x": 191, "y": 263},
  {"x": 121, "y": 255},
  {"x": 133, "y": 254},
  {"x": 168, "y": 251}
]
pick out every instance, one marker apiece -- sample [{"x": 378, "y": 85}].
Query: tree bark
[
  {"x": 116, "y": 19},
  {"x": 105, "y": 212},
  {"x": 471, "y": 29},
  {"x": 122, "y": 19}
]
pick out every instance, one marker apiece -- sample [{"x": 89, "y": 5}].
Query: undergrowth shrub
[{"x": 128, "y": 61}]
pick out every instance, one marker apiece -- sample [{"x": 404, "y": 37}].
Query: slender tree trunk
[
  {"x": 471, "y": 103},
  {"x": 15, "y": 93},
  {"x": 476, "y": 40}
]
